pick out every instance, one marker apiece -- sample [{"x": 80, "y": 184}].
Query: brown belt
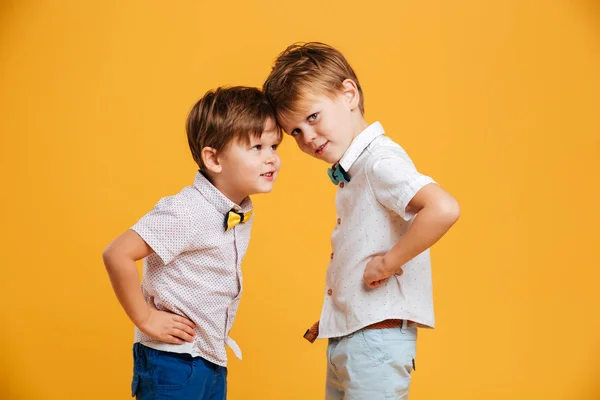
[
  {"x": 388, "y": 323},
  {"x": 312, "y": 333}
]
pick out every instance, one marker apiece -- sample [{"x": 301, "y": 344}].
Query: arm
[
  {"x": 119, "y": 259},
  {"x": 436, "y": 211}
]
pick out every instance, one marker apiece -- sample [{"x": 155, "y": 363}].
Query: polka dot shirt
[
  {"x": 372, "y": 214},
  {"x": 195, "y": 268}
]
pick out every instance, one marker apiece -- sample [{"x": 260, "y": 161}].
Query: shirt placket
[{"x": 234, "y": 303}]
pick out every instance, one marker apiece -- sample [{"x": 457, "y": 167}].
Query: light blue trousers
[{"x": 371, "y": 364}]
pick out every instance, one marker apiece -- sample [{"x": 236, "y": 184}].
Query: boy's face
[
  {"x": 250, "y": 168},
  {"x": 324, "y": 126}
]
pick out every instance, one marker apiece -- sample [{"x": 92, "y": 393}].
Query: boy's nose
[
  {"x": 272, "y": 159},
  {"x": 308, "y": 137}
]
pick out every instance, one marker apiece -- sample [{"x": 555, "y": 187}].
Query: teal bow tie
[{"x": 337, "y": 174}]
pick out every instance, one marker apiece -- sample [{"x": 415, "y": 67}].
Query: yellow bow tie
[{"x": 232, "y": 218}]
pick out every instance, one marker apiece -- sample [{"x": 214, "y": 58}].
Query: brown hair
[
  {"x": 311, "y": 67},
  {"x": 224, "y": 114}
]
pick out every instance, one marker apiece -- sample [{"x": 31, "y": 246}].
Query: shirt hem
[
  {"x": 184, "y": 350},
  {"x": 327, "y": 335}
]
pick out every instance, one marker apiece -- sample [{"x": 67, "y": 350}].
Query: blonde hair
[{"x": 302, "y": 68}]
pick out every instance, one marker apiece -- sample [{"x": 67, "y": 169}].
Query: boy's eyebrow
[
  {"x": 301, "y": 114},
  {"x": 291, "y": 130},
  {"x": 284, "y": 127}
]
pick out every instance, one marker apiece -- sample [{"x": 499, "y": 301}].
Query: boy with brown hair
[{"x": 193, "y": 244}]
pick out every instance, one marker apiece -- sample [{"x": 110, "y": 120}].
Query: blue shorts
[
  {"x": 373, "y": 364},
  {"x": 161, "y": 375}
]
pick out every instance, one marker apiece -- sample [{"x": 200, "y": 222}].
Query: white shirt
[
  {"x": 195, "y": 270},
  {"x": 372, "y": 216}
]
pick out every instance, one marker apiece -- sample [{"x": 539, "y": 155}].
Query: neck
[
  {"x": 360, "y": 124},
  {"x": 224, "y": 188}
]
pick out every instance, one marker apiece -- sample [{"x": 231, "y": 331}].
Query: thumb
[{"x": 151, "y": 303}]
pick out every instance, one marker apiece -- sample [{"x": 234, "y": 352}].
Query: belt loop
[{"x": 404, "y": 324}]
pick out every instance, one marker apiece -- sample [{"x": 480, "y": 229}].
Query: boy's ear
[
  {"x": 210, "y": 158},
  {"x": 351, "y": 93}
]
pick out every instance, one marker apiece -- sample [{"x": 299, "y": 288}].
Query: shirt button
[
  {"x": 330, "y": 292},
  {"x": 339, "y": 221},
  {"x": 342, "y": 185},
  {"x": 331, "y": 256}
]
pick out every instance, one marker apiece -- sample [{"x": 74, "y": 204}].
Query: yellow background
[{"x": 498, "y": 101}]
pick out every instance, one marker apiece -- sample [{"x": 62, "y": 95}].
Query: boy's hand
[
  {"x": 167, "y": 327},
  {"x": 376, "y": 272},
  {"x": 312, "y": 333}
]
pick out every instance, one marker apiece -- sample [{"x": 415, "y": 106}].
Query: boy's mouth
[
  {"x": 268, "y": 175},
  {"x": 321, "y": 148}
]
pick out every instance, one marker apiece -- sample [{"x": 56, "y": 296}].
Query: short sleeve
[
  {"x": 394, "y": 182},
  {"x": 166, "y": 228}
]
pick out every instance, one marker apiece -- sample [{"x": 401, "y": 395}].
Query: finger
[
  {"x": 183, "y": 320},
  {"x": 151, "y": 303},
  {"x": 183, "y": 335},
  {"x": 185, "y": 328},
  {"x": 173, "y": 339},
  {"x": 368, "y": 279}
]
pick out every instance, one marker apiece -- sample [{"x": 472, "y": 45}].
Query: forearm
[
  {"x": 428, "y": 226},
  {"x": 126, "y": 285}
]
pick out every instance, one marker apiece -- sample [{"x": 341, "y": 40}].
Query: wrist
[
  {"x": 390, "y": 266},
  {"x": 142, "y": 318}
]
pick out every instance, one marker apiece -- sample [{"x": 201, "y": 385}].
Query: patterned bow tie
[
  {"x": 232, "y": 218},
  {"x": 337, "y": 174}
]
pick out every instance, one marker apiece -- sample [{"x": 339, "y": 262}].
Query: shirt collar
[
  {"x": 218, "y": 199},
  {"x": 359, "y": 144}
]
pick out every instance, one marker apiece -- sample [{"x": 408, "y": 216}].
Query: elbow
[
  {"x": 450, "y": 211},
  {"x": 108, "y": 256}
]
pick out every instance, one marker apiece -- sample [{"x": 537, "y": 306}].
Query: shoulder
[{"x": 385, "y": 154}]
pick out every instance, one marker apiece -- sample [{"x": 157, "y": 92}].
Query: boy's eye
[
  {"x": 312, "y": 117},
  {"x": 295, "y": 132},
  {"x": 275, "y": 146},
  {"x": 257, "y": 147}
]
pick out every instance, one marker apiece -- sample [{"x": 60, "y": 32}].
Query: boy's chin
[
  {"x": 329, "y": 159},
  {"x": 262, "y": 190}
]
